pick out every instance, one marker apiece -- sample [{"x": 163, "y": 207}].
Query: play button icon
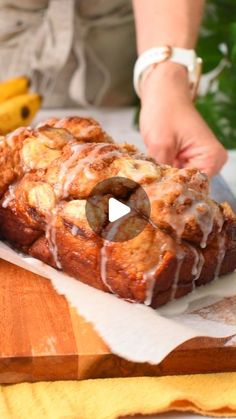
[
  {"x": 113, "y": 214},
  {"x": 116, "y": 209}
]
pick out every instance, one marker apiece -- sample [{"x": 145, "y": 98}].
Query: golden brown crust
[
  {"x": 10, "y": 148},
  {"x": 50, "y": 171},
  {"x": 84, "y": 129}
]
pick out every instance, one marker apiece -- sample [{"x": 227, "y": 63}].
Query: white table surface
[{"x": 119, "y": 123}]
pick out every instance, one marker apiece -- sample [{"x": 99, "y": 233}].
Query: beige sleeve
[{"x": 79, "y": 53}]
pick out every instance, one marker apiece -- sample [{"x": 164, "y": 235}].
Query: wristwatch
[{"x": 151, "y": 57}]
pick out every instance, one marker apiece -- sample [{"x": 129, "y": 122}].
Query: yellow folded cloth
[{"x": 209, "y": 394}]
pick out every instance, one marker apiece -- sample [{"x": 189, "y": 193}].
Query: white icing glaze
[
  {"x": 201, "y": 296},
  {"x": 161, "y": 191},
  {"x": 200, "y": 265},
  {"x": 51, "y": 236},
  {"x": 66, "y": 165},
  {"x": 89, "y": 174},
  {"x": 197, "y": 265},
  {"x": 221, "y": 254},
  {"x": 194, "y": 271},
  {"x": 103, "y": 267},
  {"x": 67, "y": 176},
  {"x": 74, "y": 230},
  {"x": 205, "y": 223},
  {"x": 201, "y": 211},
  {"x": 9, "y": 196},
  {"x": 149, "y": 277},
  {"x": 180, "y": 255},
  {"x": 71, "y": 175},
  {"x": 103, "y": 254}
]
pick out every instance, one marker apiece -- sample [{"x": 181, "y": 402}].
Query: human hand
[{"x": 173, "y": 130}]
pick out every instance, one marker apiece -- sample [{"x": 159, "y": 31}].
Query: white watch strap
[{"x": 186, "y": 57}]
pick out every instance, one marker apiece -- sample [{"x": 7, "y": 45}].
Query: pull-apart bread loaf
[{"x": 48, "y": 174}]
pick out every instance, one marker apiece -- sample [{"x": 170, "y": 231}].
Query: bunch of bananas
[{"x": 17, "y": 105}]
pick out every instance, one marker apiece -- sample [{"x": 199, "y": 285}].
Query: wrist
[
  {"x": 164, "y": 74},
  {"x": 170, "y": 70}
]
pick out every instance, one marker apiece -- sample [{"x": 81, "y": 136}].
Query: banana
[
  {"x": 18, "y": 111},
  {"x": 13, "y": 87}
]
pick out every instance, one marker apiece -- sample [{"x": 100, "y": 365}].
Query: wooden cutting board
[{"x": 43, "y": 338}]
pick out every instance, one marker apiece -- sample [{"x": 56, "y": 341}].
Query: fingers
[
  {"x": 211, "y": 162},
  {"x": 200, "y": 148},
  {"x": 158, "y": 132},
  {"x": 160, "y": 142},
  {"x": 203, "y": 151},
  {"x": 180, "y": 137},
  {"x": 163, "y": 150}
]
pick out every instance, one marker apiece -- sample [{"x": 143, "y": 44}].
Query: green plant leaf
[{"x": 219, "y": 107}]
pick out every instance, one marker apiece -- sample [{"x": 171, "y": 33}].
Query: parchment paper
[{"x": 135, "y": 331}]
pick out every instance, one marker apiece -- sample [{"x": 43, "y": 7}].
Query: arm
[
  {"x": 168, "y": 22},
  {"x": 173, "y": 130}
]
